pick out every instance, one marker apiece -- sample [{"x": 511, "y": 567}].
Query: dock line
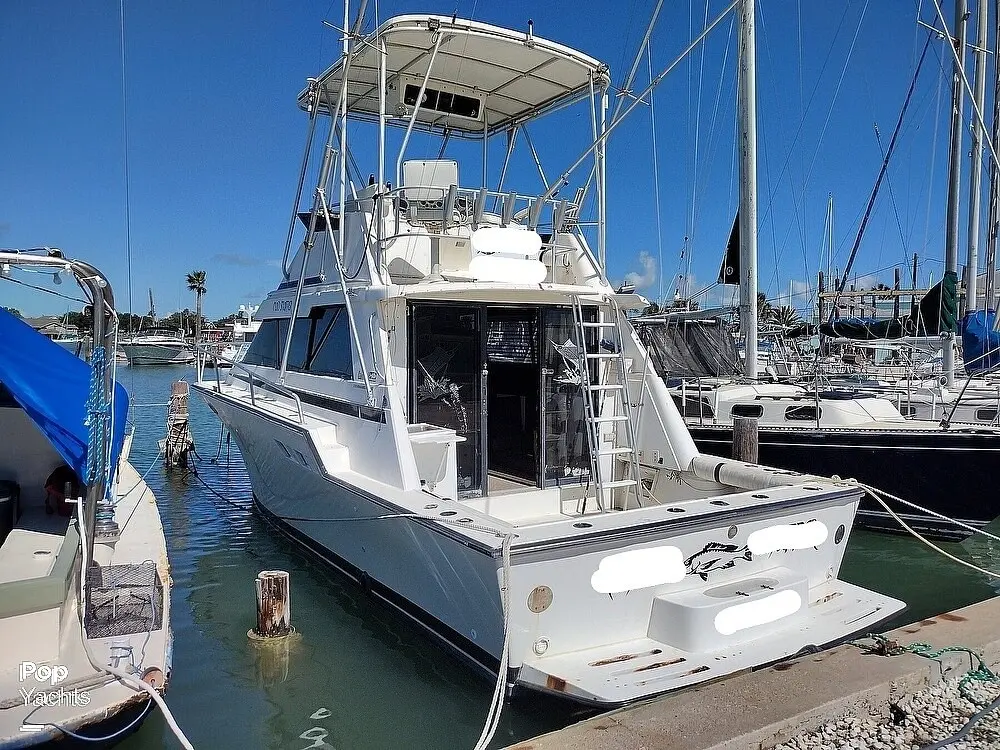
[
  {"x": 499, "y": 698},
  {"x": 884, "y": 646},
  {"x": 121, "y": 674},
  {"x": 877, "y": 494}
]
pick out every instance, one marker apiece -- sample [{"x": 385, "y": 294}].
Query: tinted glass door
[
  {"x": 447, "y": 383},
  {"x": 564, "y": 429}
]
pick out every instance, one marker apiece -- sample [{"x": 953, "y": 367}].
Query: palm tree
[
  {"x": 764, "y": 308},
  {"x": 196, "y": 284},
  {"x": 785, "y": 316}
]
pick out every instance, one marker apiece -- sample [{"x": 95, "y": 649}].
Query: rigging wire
[
  {"x": 934, "y": 152},
  {"x": 714, "y": 136},
  {"x": 43, "y": 289},
  {"x": 656, "y": 178},
  {"x": 694, "y": 169},
  {"x": 125, "y": 162},
  {"x": 826, "y": 122},
  {"x": 802, "y": 121},
  {"x": 882, "y": 172}
]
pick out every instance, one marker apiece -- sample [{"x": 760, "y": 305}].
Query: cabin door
[
  {"x": 566, "y": 453},
  {"x": 448, "y": 381}
]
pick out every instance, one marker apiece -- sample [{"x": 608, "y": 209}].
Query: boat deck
[{"x": 53, "y": 636}]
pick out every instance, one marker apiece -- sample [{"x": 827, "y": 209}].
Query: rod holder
[
  {"x": 478, "y": 208},
  {"x": 559, "y": 216},
  {"x": 508, "y": 208},
  {"x": 449, "y": 206},
  {"x": 535, "y": 212}
]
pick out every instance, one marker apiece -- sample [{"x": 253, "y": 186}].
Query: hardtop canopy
[{"x": 483, "y": 78}]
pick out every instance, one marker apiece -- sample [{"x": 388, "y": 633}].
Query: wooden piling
[
  {"x": 179, "y": 441},
  {"x": 745, "y": 439},
  {"x": 273, "y": 605}
]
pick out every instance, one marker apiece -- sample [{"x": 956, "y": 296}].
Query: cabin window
[
  {"x": 747, "y": 410},
  {"x": 803, "y": 413},
  {"x": 511, "y": 339},
  {"x": 692, "y": 406},
  {"x": 986, "y": 415},
  {"x": 321, "y": 343},
  {"x": 264, "y": 349},
  {"x": 330, "y": 344},
  {"x": 907, "y": 411},
  {"x": 300, "y": 343}
]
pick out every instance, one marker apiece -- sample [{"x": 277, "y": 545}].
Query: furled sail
[{"x": 936, "y": 313}]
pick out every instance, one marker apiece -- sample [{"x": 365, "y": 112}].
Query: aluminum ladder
[{"x": 606, "y": 402}]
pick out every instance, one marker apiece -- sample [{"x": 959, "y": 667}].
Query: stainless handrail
[
  {"x": 565, "y": 211},
  {"x": 268, "y": 384}
]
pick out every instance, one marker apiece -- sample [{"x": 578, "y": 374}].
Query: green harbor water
[{"x": 359, "y": 676}]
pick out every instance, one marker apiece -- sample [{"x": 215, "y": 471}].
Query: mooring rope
[
  {"x": 498, "y": 699},
  {"x": 883, "y": 646},
  {"x": 878, "y": 496}
]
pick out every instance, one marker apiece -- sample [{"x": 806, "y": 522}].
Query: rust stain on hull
[
  {"x": 658, "y": 664},
  {"x": 555, "y": 683},
  {"x": 623, "y": 657},
  {"x": 696, "y": 670}
]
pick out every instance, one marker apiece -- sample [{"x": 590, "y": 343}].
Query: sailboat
[
  {"x": 839, "y": 432},
  {"x": 84, "y": 576},
  {"x": 446, "y": 401}
]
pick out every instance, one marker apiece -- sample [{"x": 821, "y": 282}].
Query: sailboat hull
[{"x": 943, "y": 471}]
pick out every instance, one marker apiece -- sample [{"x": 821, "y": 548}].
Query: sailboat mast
[
  {"x": 993, "y": 216},
  {"x": 976, "y": 176},
  {"x": 954, "y": 172},
  {"x": 748, "y": 184}
]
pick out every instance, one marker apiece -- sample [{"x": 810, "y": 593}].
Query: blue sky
[{"x": 215, "y": 137}]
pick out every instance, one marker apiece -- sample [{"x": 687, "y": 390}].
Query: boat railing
[
  {"x": 438, "y": 209},
  {"x": 203, "y": 354}
]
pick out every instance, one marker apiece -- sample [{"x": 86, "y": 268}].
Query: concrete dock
[{"x": 758, "y": 710}]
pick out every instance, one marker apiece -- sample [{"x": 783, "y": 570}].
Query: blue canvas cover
[
  {"x": 52, "y": 385},
  {"x": 980, "y": 343}
]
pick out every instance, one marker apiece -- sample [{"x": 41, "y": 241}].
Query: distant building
[{"x": 51, "y": 326}]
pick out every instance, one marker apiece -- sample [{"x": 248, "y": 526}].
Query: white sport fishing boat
[
  {"x": 473, "y": 430},
  {"x": 157, "y": 347},
  {"x": 84, "y": 576},
  {"x": 237, "y": 342}
]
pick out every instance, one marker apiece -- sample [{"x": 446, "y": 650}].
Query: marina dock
[{"x": 763, "y": 709}]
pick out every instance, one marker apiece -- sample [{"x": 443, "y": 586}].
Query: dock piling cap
[{"x": 273, "y": 606}]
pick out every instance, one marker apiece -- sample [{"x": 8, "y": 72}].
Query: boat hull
[
  {"x": 943, "y": 471},
  {"x": 462, "y": 608},
  {"x": 157, "y": 354},
  {"x": 101, "y": 733},
  {"x": 448, "y": 583}
]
